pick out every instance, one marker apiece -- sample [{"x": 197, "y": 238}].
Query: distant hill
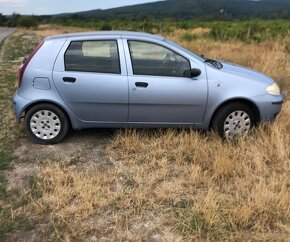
[{"x": 194, "y": 9}]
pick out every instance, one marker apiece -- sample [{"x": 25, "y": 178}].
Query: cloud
[{"x": 13, "y": 2}]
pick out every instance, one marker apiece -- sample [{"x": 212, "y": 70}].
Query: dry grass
[
  {"x": 200, "y": 32},
  {"x": 171, "y": 185},
  {"x": 47, "y": 30},
  {"x": 195, "y": 185}
]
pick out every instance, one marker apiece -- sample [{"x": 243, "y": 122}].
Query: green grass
[
  {"x": 12, "y": 52},
  {"x": 4, "y": 160},
  {"x": 189, "y": 37},
  {"x": 248, "y": 30},
  {"x": 254, "y": 30}
]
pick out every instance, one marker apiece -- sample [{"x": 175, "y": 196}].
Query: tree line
[{"x": 17, "y": 20}]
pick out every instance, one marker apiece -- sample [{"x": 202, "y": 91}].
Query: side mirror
[{"x": 192, "y": 73}]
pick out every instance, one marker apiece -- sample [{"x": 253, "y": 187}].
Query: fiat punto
[{"x": 139, "y": 80}]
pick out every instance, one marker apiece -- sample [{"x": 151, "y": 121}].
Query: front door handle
[
  {"x": 141, "y": 84},
  {"x": 69, "y": 79}
]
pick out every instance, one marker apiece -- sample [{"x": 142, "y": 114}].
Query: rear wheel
[
  {"x": 233, "y": 120},
  {"x": 46, "y": 124}
]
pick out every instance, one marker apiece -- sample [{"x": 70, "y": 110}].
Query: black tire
[
  {"x": 219, "y": 119},
  {"x": 60, "y": 114}
]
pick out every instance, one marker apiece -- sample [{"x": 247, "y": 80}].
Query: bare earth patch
[
  {"x": 86, "y": 147},
  {"x": 35, "y": 235}
]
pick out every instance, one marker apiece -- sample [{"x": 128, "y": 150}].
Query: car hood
[{"x": 245, "y": 72}]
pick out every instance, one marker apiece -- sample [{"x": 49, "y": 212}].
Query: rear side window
[{"x": 93, "y": 56}]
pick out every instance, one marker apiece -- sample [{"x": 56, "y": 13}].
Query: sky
[{"x": 43, "y": 7}]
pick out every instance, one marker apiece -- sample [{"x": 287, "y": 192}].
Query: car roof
[{"x": 106, "y": 33}]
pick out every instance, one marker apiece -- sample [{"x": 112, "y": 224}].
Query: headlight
[{"x": 273, "y": 89}]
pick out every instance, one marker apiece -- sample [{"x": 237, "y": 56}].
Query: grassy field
[{"x": 151, "y": 185}]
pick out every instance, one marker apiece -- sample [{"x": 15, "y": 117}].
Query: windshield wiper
[{"x": 214, "y": 63}]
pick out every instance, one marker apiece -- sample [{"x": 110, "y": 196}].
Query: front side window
[
  {"x": 152, "y": 59},
  {"x": 93, "y": 56}
]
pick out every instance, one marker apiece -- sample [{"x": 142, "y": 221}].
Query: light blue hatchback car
[{"x": 128, "y": 79}]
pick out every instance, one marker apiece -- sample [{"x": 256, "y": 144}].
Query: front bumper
[
  {"x": 19, "y": 104},
  {"x": 269, "y": 106}
]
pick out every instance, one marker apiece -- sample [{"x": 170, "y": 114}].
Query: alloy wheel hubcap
[
  {"x": 45, "y": 124},
  {"x": 238, "y": 123}
]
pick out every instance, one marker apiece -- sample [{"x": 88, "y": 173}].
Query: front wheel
[
  {"x": 233, "y": 120},
  {"x": 46, "y": 124}
]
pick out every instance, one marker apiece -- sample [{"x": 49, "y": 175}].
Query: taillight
[{"x": 25, "y": 64}]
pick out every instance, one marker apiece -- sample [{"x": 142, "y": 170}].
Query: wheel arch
[
  {"x": 247, "y": 102},
  {"x": 31, "y": 105}
]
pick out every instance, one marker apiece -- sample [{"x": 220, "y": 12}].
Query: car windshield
[
  {"x": 213, "y": 63},
  {"x": 185, "y": 50}
]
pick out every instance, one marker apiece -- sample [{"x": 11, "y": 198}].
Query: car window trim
[
  {"x": 150, "y": 42},
  {"x": 112, "y": 40}
]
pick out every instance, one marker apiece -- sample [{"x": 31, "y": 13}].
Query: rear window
[{"x": 93, "y": 56}]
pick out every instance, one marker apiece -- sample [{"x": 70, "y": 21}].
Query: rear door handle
[
  {"x": 141, "y": 84},
  {"x": 69, "y": 79}
]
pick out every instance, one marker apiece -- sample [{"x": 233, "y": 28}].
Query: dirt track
[{"x": 5, "y": 32}]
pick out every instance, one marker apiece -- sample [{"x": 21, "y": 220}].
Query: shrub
[
  {"x": 27, "y": 22},
  {"x": 189, "y": 37},
  {"x": 3, "y": 20}
]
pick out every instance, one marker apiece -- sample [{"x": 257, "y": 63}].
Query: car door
[
  {"x": 91, "y": 77},
  {"x": 159, "y": 93}
]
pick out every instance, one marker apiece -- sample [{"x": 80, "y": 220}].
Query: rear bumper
[{"x": 19, "y": 104}]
